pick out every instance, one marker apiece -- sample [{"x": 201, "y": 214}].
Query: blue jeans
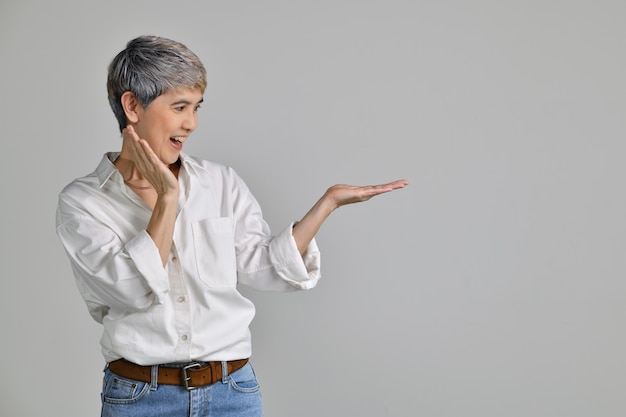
[{"x": 236, "y": 395}]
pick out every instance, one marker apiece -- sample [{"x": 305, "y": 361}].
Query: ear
[{"x": 131, "y": 106}]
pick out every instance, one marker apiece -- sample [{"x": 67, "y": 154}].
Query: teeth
[{"x": 180, "y": 139}]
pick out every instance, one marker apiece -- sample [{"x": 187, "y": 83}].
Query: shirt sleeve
[
  {"x": 300, "y": 271},
  {"x": 265, "y": 261},
  {"x": 111, "y": 273}
]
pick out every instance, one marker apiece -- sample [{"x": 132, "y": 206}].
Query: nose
[{"x": 190, "y": 122}]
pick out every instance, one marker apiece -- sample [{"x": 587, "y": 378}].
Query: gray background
[{"x": 492, "y": 286}]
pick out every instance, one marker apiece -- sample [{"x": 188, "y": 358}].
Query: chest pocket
[{"x": 214, "y": 244}]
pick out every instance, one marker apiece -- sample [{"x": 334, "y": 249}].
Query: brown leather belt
[{"x": 190, "y": 376}]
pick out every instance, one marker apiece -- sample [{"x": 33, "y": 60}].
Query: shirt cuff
[
  {"x": 147, "y": 259},
  {"x": 300, "y": 271}
]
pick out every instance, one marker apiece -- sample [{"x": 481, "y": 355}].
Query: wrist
[
  {"x": 168, "y": 196},
  {"x": 327, "y": 203}
]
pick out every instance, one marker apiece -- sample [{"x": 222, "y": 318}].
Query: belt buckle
[{"x": 186, "y": 378}]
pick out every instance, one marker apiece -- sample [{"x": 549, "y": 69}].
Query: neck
[
  {"x": 133, "y": 177},
  {"x": 129, "y": 170}
]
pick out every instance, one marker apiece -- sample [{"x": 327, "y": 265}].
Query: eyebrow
[{"x": 183, "y": 101}]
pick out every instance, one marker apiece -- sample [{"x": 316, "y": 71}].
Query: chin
[
  {"x": 174, "y": 161},
  {"x": 170, "y": 160}
]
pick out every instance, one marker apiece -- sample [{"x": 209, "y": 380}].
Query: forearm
[
  {"x": 305, "y": 230},
  {"x": 161, "y": 225}
]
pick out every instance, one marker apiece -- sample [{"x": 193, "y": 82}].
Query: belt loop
[
  {"x": 154, "y": 377},
  {"x": 224, "y": 372}
]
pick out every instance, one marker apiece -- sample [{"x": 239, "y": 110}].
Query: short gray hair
[{"x": 148, "y": 67}]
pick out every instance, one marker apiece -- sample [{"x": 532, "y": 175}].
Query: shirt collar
[
  {"x": 189, "y": 162},
  {"x": 106, "y": 168}
]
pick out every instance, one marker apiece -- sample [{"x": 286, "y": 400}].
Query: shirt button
[
  {"x": 181, "y": 299},
  {"x": 174, "y": 259},
  {"x": 184, "y": 337}
]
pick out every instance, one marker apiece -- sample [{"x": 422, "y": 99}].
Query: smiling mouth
[{"x": 180, "y": 139}]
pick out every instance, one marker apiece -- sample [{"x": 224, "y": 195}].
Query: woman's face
[{"x": 167, "y": 122}]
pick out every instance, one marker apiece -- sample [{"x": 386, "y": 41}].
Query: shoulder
[
  {"x": 204, "y": 168},
  {"x": 222, "y": 179},
  {"x": 89, "y": 192},
  {"x": 94, "y": 181},
  {"x": 75, "y": 197},
  {"x": 80, "y": 187},
  {"x": 97, "y": 178}
]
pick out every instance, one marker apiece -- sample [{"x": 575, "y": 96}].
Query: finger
[
  {"x": 144, "y": 158},
  {"x": 132, "y": 139},
  {"x": 394, "y": 185},
  {"x": 398, "y": 184},
  {"x": 142, "y": 149},
  {"x": 148, "y": 154},
  {"x": 374, "y": 190},
  {"x": 130, "y": 132}
]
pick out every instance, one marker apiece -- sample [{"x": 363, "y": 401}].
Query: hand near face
[{"x": 159, "y": 175}]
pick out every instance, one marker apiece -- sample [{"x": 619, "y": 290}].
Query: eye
[{"x": 197, "y": 107}]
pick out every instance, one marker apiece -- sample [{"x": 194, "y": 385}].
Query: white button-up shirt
[{"x": 190, "y": 309}]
